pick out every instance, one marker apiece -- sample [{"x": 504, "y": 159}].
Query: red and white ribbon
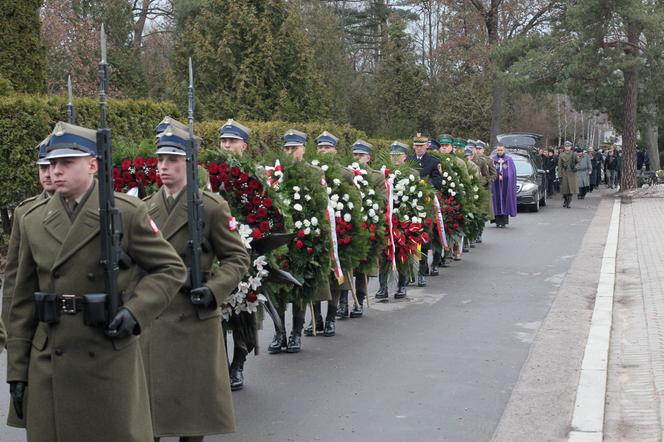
[
  {"x": 275, "y": 175},
  {"x": 390, "y": 209},
  {"x": 440, "y": 226},
  {"x": 334, "y": 243}
]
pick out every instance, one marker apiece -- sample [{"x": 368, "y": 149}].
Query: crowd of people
[{"x": 306, "y": 228}]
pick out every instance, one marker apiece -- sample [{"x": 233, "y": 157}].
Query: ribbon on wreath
[
  {"x": 390, "y": 210},
  {"x": 275, "y": 175},
  {"x": 440, "y": 225},
  {"x": 334, "y": 242}
]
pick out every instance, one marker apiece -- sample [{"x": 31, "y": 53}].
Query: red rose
[
  {"x": 310, "y": 250},
  {"x": 223, "y": 176},
  {"x": 364, "y": 226},
  {"x": 251, "y": 218},
  {"x": 126, "y": 164},
  {"x": 372, "y": 238},
  {"x": 372, "y": 228},
  {"x": 140, "y": 176},
  {"x": 248, "y": 207},
  {"x": 254, "y": 184},
  {"x": 267, "y": 202},
  {"x": 151, "y": 162},
  {"x": 256, "y": 233},
  {"x": 261, "y": 212},
  {"x": 252, "y": 297},
  {"x": 264, "y": 226},
  {"x": 116, "y": 172},
  {"x": 139, "y": 162},
  {"x": 118, "y": 185},
  {"x": 223, "y": 167},
  {"x": 213, "y": 168},
  {"x": 459, "y": 217},
  {"x": 152, "y": 174},
  {"x": 300, "y": 233},
  {"x": 244, "y": 177},
  {"x": 456, "y": 226},
  {"x": 428, "y": 222},
  {"x": 256, "y": 200},
  {"x": 299, "y": 244},
  {"x": 126, "y": 176},
  {"x": 235, "y": 171}
]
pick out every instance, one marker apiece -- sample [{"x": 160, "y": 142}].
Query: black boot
[
  {"x": 237, "y": 376},
  {"x": 309, "y": 329},
  {"x": 357, "y": 310},
  {"x": 401, "y": 289},
  {"x": 382, "y": 293},
  {"x": 330, "y": 327},
  {"x": 342, "y": 307},
  {"x": 278, "y": 342},
  {"x": 295, "y": 339}
]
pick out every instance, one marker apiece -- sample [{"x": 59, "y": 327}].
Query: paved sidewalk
[{"x": 635, "y": 389}]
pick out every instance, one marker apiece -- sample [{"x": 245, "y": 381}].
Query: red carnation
[
  {"x": 364, "y": 226},
  {"x": 254, "y": 184},
  {"x": 235, "y": 171},
  {"x": 140, "y": 176},
  {"x": 126, "y": 164},
  {"x": 151, "y": 161},
  {"x": 264, "y": 226},
  {"x": 244, "y": 177},
  {"x": 213, "y": 168},
  {"x": 262, "y": 212},
  {"x": 300, "y": 233},
  {"x": 256, "y": 233},
  {"x": 299, "y": 244},
  {"x": 223, "y": 167},
  {"x": 252, "y": 297},
  {"x": 456, "y": 226},
  {"x": 267, "y": 202},
  {"x": 256, "y": 200},
  {"x": 139, "y": 162},
  {"x": 372, "y": 237},
  {"x": 247, "y": 206},
  {"x": 152, "y": 174},
  {"x": 251, "y": 218},
  {"x": 372, "y": 228}
]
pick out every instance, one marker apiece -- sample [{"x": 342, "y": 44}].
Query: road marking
[{"x": 588, "y": 417}]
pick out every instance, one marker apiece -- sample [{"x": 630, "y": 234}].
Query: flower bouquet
[{"x": 135, "y": 171}]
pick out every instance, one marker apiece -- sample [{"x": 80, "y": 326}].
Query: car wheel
[
  {"x": 543, "y": 200},
  {"x": 535, "y": 207}
]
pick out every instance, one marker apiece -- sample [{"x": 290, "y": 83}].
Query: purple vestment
[{"x": 504, "y": 191}]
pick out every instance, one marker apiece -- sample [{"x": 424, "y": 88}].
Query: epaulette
[
  {"x": 35, "y": 206},
  {"x": 27, "y": 200}
]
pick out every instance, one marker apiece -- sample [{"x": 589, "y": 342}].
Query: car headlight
[{"x": 528, "y": 187}]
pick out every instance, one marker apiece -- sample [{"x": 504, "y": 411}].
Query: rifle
[
  {"x": 71, "y": 116},
  {"x": 110, "y": 222},
  {"x": 194, "y": 204}
]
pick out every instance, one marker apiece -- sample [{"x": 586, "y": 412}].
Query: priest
[{"x": 504, "y": 188}]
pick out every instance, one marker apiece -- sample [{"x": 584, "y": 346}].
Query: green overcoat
[
  {"x": 184, "y": 351},
  {"x": 567, "y": 163},
  {"x": 487, "y": 176},
  {"x": 84, "y": 386}
]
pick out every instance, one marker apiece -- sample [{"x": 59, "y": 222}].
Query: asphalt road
[{"x": 439, "y": 366}]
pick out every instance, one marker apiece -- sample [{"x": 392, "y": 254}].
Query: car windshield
[
  {"x": 523, "y": 167},
  {"x": 517, "y": 140}
]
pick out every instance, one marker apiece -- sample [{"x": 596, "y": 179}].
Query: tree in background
[{"x": 22, "y": 53}]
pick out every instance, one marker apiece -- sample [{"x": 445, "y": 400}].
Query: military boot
[
  {"x": 309, "y": 330},
  {"x": 237, "y": 368},
  {"x": 401, "y": 289},
  {"x": 295, "y": 339},
  {"x": 342, "y": 307},
  {"x": 357, "y": 310},
  {"x": 382, "y": 281},
  {"x": 330, "y": 325},
  {"x": 278, "y": 342}
]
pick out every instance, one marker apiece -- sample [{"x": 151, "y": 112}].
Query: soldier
[
  {"x": 362, "y": 152},
  {"x": 430, "y": 170},
  {"x": 294, "y": 145},
  {"x": 234, "y": 137},
  {"x": 399, "y": 152},
  {"x": 326, "y": 144},
  {"x": 15, "y": 239},
  {"x": 86, "y": 380},
  {"x": 487, "y": 176},
  {"x": 184, "y": 349},
  {"x": 567, "y": 163}
]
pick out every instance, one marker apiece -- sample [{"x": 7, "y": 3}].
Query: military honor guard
[
  {"x": 567, "y": 166},
  {"x": 184, "y": 351},
  {"x": 82, "y": 361},
  {"x": 487, "y": 176}
]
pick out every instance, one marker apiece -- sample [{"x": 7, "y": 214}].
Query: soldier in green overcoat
[
  {"x": 487, "y": 176},
  {"x": 14, "y": 242},
  {"x": 86, "y": 382},
  {"x": 184, "y": 351},
  {"x": 567, "y": 163}
]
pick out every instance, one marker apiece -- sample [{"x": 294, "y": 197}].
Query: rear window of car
[{"x": 517, "y": 140}]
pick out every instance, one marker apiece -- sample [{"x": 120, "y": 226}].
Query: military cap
[
  {"x": 397, "y": 148},
  {"x": 480, "y": 144},
  {"x": 468, "y": 151},
  {"x": 578, "y": 149},
  {"x": 445, "y": 139},
  {"x": 294, "y": 137},
  {"x": 233, "y": 129},
  {"x": 69, "y": 140},
  {"x": 459, "y": 142},
  {"x": 172, "y": 141},
  {"x": 420, "y": 139},
  {"x": 471, "y": 144},
  {"x": 326, "y": 139},
  {"x": 41, "y": 161},
  {"x": 169, "y": 121},
  {"x": 361, "y": 146},
  {"x": 568, "y": 143},
  {"x": 434, "y": 144}
]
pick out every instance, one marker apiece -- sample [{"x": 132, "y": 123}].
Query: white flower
[
  {"x": 337, "y": 213},
  {"x": 411, "y": 177},
  {"x": 369, "y": 202},
  {"x": 297, "y": 207},
  {"x": 397, "y": 172},
  {"x": 307, "y": 223},
  {"x": 329, "y": 191},
  {"x": 340, "y": 206},
  {"x": 475, "y": 188},
  {"x": 346, "y": 197},
  {"x": 325, "y": 167},
  {"x": 445, "y": 174},
  {"x": 460, "y": 184},
  {"x": 296, "y": 196},
  {"x": 372, "y": 212},
  {"x": 347, "y": 217},
  {"x": 307, "y": 231},
  {"x": 404, "y": 198},
  {"x": 453, "y": 193},
  {"x": 314, "y": 221},
  {"x": 444, "y": 182},
  {"x": 307, "y": 197},
  {"x": 415, "y": 219},
  {"x": 334, "y": 198},
  {"x": 419, "y": 194},
  {"x": 452, "y": 185},
  {"x": 317, "y": 231},
  {"x": 315, "y": 162},
  {"x": 375, "y": 219},
  {"x": 364, "y": 218},
  {"x": 296, "y": 189},
  {"x": 476, "y": 196},
  {"x": 422, "y": 214},
  {"x": 372, "y": 192},
  {"x": 298, "y": 224},
  {"x": 350, "y": 205},
  {"x": 406, "y": 218},
  {"x": 336, "y": 181},
  {"x": 413, "y": 189},
  {"x": 287, "y": 201},
  {"x": 375, "y": 206}
]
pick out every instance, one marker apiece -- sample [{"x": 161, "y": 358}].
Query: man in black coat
[{"x": 430, "y": 170}]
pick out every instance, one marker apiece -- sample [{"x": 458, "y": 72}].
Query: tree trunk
[
  {"x": 631, "y": 75},
  {"x": 496, "y": 110},
  {"x": 651, "y": 135}
]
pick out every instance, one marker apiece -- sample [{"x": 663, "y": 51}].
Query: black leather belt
[{"x": 69, "y": 304}]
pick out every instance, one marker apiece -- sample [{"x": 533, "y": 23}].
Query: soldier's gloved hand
[
  {"x": 17, "y": 392},
  {"x": 203, "y": 297},
  {"x": 122, "y": 325}
]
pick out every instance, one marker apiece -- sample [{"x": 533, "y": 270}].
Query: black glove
[
  {"x": 122, "y": 325},
  {"x": 17, "y": 392},
  {"x": 203, "y": 297}
]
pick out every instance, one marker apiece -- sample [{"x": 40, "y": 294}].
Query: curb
[{"x": 588, "y": 418}]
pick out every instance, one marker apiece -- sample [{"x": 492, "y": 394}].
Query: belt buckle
[{"x": 68, "y": 304}]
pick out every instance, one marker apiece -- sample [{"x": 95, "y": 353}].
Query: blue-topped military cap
[
  {"x": 568, "y": 143},
  {"x": 397, "y": 148},
  {"x": 169, "y": 121},
  {"x": 69, "y": 140},
  {"x": 294, "y": 137},
  {"x": 361, "y": 146},
  {"x": 468, "y": 151},
  {"x": 479, "y": 144},
  {"x": 233, "y": 129},
  {"x": 326, "y": 139},
  {"x": 42, "y": 161},
  {"x": 172, "y": 141},
  {"x": 434, "y": 144},
  {"x": 471, "y": 144}
]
